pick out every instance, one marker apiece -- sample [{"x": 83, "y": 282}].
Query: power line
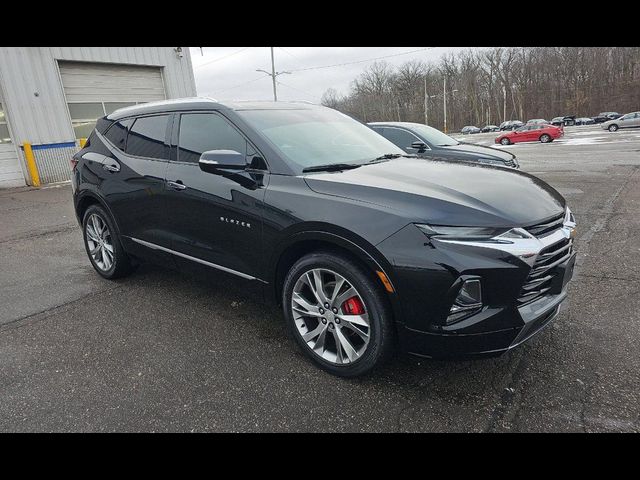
[
  {"x": 241, "y": 85},
  {"x": 362, "y": 61},
  {"x": 222, "y": 58},
  {"x": 297, "y": 89},
  {"x": 292, "y": 56}
]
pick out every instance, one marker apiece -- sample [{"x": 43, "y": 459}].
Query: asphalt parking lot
[{"x": 160, "y": 351}]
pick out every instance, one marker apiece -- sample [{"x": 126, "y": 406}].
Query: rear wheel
[
  {"x": 103, "y": 245},
  {"x": 337, "y": 314},
  {"x": 613, "y": 128},
  {"x": 505, "y": 141},
  {"x": 544, "y": 138}
]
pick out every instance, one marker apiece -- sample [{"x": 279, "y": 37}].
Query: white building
[{"x": 52, "y": 96}]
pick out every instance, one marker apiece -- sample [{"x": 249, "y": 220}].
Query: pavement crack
[{"x": 17, "y": 322}]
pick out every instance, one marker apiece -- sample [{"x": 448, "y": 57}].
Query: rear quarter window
[{"x": 117, "y": 133}]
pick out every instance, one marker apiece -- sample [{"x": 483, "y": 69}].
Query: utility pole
[
  {"x": 273, "y": 75},
  {"x": 426, "y": 103},
  {"x": 444, "y": 95},
  {"x": 504, "y": 109}
]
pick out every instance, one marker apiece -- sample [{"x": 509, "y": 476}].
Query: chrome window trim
[{"x": 153, "y": 246}]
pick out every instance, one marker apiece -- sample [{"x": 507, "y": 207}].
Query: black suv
[{"x": 359, "y": 242}]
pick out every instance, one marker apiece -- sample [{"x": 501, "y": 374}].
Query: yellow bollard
[
  {"x": 31, "y": 165},
  {"x": 82, "y": 142}
]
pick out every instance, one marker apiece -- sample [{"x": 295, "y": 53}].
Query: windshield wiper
[
  {"x": 331, "y": 167},
  {"x": 389, "y": 156}
]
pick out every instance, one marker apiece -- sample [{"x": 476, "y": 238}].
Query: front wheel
[
  {"x": 613, "y": 128},
  {"x": 337, "y": 314},
  {"x": 545, "y": 138},
  {"x": 505, "y": 141}
]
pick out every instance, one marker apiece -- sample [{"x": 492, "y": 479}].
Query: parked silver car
[{"x": 630, "y": 120}]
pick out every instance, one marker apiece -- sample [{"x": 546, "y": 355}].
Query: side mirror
[
  {"x": 213, "y": 160},
  {"x": 420, "y": 146}
]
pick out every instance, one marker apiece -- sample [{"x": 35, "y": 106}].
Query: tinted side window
[
  {"x": 200, "y": 132},
  {"x": 147, "y": 137},
  {"x": 117, "y": 134},
  {"x": 400, "y": 138}
]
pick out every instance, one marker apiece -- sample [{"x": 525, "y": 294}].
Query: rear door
[{"x": 134, "y": 176}]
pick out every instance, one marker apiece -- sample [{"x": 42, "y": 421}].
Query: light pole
[
  {"x": 426, "y": 102},
  {"x": 273, "y": 75},
  {"x": 444, "y": 94}
]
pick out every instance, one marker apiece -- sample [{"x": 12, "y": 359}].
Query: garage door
[{"x": 96, "y": 89}]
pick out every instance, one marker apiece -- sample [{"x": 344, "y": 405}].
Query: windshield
[
  {"x": 435, "y": 137},
  {"x": 319, "y": 136}
]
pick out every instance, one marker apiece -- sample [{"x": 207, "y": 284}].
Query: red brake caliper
[{"x": 353, "y": 306}]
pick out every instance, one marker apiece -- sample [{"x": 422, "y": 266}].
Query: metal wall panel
[{"x": 34, "y": 99}]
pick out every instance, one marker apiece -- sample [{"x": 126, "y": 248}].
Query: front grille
[
  {"x": 545, "y": 270},
  {"x": 542, "y": 229}
]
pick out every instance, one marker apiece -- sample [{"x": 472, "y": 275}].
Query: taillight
[{"x": 74, "y": 163}]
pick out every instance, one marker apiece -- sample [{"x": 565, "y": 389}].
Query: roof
[
  {"x": 205, "y": 103},
  {"x": 398, "y": 124}
]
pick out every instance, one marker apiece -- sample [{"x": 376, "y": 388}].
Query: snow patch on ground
[{"x": 581, "y": 141}]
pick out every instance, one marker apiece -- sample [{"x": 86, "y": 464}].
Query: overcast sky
[{"x": 229, "y": 73}]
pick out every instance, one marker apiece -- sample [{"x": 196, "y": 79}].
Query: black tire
[
  {"x": 613, "y": 127},
  {"x": 122, "y": 265},
  {"x": 382, "y": 331},
  {"x": 505, "y": 141},
  {"x": 544, "y": 138}
]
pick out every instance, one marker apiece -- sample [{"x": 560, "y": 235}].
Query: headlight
[{"x": 486, "y": 234}]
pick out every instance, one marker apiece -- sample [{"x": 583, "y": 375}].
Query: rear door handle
[
  {"x": 177, "y": 185},
  {"x": 111, "y": 167}
]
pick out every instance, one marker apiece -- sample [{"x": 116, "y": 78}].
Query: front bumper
[
  {"x": 533, "y": 317},
  {"x": 427, "y": 282}
]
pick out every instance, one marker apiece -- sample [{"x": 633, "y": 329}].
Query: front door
[{"x": 215, "y": 218}]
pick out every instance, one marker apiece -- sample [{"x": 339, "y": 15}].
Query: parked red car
[{"x": 531, "y": 133}]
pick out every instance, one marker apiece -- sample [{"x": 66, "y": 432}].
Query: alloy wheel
[
  {"x": 330, "y": 316},
  {"x": 99, "y": 242}
]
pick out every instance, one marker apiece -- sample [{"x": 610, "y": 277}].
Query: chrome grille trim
[{"x": 542, "y": 273}]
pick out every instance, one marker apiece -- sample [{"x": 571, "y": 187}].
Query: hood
[
  {"x": 480, "y": 151},
  {"x": 446, "y": 192}
]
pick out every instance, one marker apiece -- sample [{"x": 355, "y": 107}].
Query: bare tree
[{"x": 497, "y": 84}]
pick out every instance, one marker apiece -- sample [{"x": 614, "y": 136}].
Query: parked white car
[{"x": 630, "y": 120}]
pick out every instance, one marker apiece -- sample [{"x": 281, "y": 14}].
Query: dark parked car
[
  {"x": 469, "y": 129},
  {"x": 358, "y": 242},
  {"x": 490, "y": 128},
  {"x": 584, "y": 121},
  {"x": 606, "y": 116},
  {"x": 428, "y": 142},
  {"x": 510, "y": 125},
  {"x": 565, "y": 121}
]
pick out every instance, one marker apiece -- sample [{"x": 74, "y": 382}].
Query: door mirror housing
[
  {"x": 420, "y": 146},
  {"x": 213, "y": 160}
]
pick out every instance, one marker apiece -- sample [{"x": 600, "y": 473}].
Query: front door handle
[{"x": 177, "y": 185}]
